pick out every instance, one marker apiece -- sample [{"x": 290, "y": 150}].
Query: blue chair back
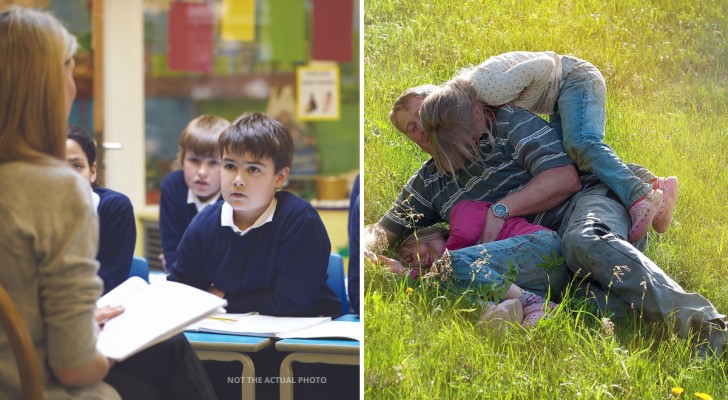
[
  {"x": 336, "y": 280},
  {"x": 140, "y": 268}
]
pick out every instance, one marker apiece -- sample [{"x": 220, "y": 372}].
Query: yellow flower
[
  {"x": 703, "y": 396},
  {"x": 410, "y": 290},
  {"x": 677, "y": 391}
]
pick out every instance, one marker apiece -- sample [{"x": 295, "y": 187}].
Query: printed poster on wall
[{"x": 318, "y": 94}]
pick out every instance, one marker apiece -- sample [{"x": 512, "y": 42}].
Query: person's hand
[
  {"x": 104, "y": 314},
  {"x": 162, "y": 260},
  {"x": 492, "y": 228},
  {"x": 217, "y": 292},
  {"x": 394, "y": 266},
  {"x": 371, "y": 256}
]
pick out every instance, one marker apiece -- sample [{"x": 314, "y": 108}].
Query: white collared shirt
[
  {"x": 193, "y": 199},
  {"x": 226, "y": 217}
]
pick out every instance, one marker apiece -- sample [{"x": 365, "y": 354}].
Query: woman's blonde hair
[
  {"x": 35, "y": 48},
  {"x": 408, "y": 249},
  {"x": 449, "y": 124}
]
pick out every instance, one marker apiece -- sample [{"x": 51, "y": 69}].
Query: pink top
[{"x": 467, "y": 220}]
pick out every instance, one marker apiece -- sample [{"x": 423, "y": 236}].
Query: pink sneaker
[
  {"x": 642, "y": 213},
  {"x": 669, "y": 188},
  {"x": 534, "y": 309}
]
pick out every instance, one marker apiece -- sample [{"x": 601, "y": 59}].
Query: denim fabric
[
  {"x": 594, "y": 244},
  {"x": 487, "y": 264},
  {"x": 580, "y": 117}
]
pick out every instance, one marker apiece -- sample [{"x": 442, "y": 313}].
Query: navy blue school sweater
[
  {"x": 117, "y": 237},
  {"x": 175, "y": 213},
  {"x": 278, "y": 268}
]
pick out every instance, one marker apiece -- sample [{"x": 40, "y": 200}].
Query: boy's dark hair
[
  {"x": 80, "y": 136},
  {"x": 261, "y": 136}
]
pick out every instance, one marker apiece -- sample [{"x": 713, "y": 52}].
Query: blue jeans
[
  {"x": 594, "y": 243},
  {"x": 580, "y": 117},
  {"x": 486, "y": 264}
]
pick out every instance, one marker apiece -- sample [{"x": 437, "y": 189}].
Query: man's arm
[{"x": 545, "y": 191}]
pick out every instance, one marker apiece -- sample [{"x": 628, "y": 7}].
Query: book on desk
[
  {"x": 253, "y": 324},
  {"x": 152, "y": 314}
]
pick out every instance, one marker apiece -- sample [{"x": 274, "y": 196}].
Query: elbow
[
  {"x": 85, "y": 375},
  {"x": 570, "y": 182}
]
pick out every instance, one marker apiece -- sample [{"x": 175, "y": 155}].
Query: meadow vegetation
[{"x": 666, "y": 67}]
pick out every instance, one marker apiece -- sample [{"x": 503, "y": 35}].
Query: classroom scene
[{"x": 180, "y": 210}]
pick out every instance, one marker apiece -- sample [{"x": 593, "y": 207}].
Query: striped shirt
[{"x": 525, "y": 145}]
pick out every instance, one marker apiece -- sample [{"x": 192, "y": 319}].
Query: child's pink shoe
[
  {"x": 669, "y": 188},
  {"x": 534, "y": 308},
  {"x": 642, "y": 213}
]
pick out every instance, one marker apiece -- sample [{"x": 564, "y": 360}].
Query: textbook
[
  {"x": 253, "y": 324},
  {"x": 152, "y": 314},
  {"x": 331, "y": 330}
]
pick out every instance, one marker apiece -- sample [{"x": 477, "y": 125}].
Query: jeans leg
[
  {"x": 593, "y": 243},
  {"x": 582, "y": 107},
  {"x": 488, "y": 263}
]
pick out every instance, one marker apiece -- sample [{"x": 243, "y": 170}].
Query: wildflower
[
  {"x": 703, "y": 396},
  {"x": 608, "y": 328},
  {"x": 410, "y": 290},
  {"x": 677, "y": 391}
]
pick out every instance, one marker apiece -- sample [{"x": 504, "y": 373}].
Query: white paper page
[
  {"x": 126, "y": 289},
  {"x": 156, "y": 311},
  {"x": 213, "y": 319},
  {"x": 260, "y": 325},
  {"x": 334, "y": 329}
]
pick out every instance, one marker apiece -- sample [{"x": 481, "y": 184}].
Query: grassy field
[{"x": 666, "y": 67}]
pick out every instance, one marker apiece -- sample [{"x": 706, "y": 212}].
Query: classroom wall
[{"x": 124, "y": 97}]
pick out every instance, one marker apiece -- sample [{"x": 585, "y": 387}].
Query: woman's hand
[
  {"x": 217, "y": 292},
  {"x": 104, "y": 314}
]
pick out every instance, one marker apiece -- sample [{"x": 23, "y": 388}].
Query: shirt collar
[
  {"x": 193, "y": 199},
  {"x": 226, "y": 217}
]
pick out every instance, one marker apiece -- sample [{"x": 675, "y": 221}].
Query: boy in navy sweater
[
  {"x": 188, "y": 191},
  {"x": 261, "y": 249}
]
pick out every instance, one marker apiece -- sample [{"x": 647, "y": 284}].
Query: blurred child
[
  {"x": 117, "y": 225},
  {"x": 186, "y": 192}
]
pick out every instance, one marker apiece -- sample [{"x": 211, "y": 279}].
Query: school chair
[
  {"x": 19, "y": 338},
  {"x": 140, "y": 268},
  {"x": 336, "y": 279}
]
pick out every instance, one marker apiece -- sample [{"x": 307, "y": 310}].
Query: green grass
[{"x": 666, "y": 67}]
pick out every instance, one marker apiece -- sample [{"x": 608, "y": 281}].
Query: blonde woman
[
  {"x": 49, "y": 235},
  {"x": 48, "y": 230}
]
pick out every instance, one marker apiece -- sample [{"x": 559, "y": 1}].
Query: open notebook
[
  {"x": 152, "y": 313},
  {"x": 254, "y": 324}
]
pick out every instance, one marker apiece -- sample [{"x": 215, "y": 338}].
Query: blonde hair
[
  {"x": 35, "y": 48},
  {"x": 201, "y": 135},
  {"x": 403, "y": 101},
  {"x": 449, "y": 124},
  {"x": 409, "y": 246}
]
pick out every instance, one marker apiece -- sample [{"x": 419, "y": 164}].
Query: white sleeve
[{"x": 497, "y": 86}]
